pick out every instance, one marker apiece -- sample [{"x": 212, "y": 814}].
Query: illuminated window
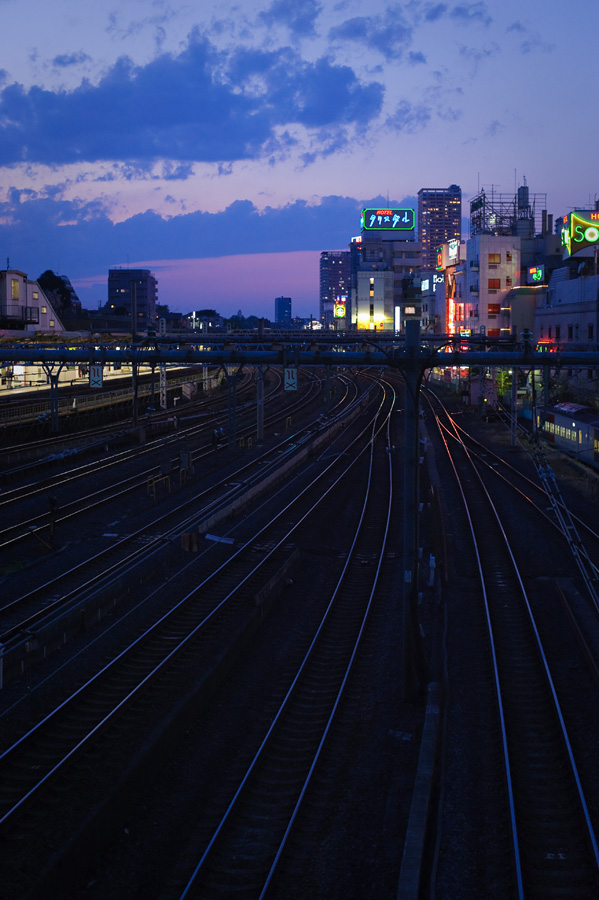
[
  {"x": 15, "y": 289},
  {"x": 35, "y": 295},
  {"x": 494, "y": 259},
  {"x": 44, "y": 309},
  {"x": 494, "y": 284}
]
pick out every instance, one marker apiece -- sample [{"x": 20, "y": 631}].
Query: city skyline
[{"x": 225, "y": 148}]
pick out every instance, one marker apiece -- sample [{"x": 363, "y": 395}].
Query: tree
[{"x": 59, "y": 292}]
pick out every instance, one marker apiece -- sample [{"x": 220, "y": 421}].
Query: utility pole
[
  {"x": 413, "y": 372},
  {"x": 260, "y": 404}
]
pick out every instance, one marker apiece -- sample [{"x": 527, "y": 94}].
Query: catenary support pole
[
  {"x": 514, "y": 417},
  {"x": 259, "y": 404},
  {"x": 413, "y": 378},
  {"x": 232, "y": 406},
  {"x": 53, "y": 381}
]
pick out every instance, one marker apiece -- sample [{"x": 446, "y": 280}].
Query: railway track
[
  {"x": 190, "y": 643},
  {"x": 248, "y": 846},
  {"x": 155, "y": 457},
  {"x": 38, "y": 621},
  {"x": 544, "y": 799},
  {"x": 61, "y": 501}
]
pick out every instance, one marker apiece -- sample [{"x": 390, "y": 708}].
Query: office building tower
[
  {"x": 335, "y": 271},
  {"x": 133, "y": 292},
  {"x": 283, "y": 310},
  {"x": 439, "y": 220}
]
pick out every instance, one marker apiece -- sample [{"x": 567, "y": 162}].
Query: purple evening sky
[{"x": 224, "y": 144}]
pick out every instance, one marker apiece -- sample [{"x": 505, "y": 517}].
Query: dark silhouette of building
[
  {"x": 335, "y": 281},
  {"x": 283, "y": 310},
  {"x": 133, "y": 293}
]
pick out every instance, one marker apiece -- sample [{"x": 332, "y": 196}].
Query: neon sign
[
  {"x": 339, "y": 308},
  {"x": 580, "y": 232},
  {"x": 388, "y": 220},
  {"x": 536, "y": 274}
]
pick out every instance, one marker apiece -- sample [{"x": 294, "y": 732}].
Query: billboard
[
  {"x": 580, "y": 230},
  {"x": 339, "y": 310},
  {"x": 536, "y": 275},
  {"x": 388, "y": 220}
]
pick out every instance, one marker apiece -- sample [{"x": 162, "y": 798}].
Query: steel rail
[
  {"x": 176, "y": 649},
  {"x": 139, "y": 479},
  {"x": 292, "y": 690},
  {"x": 498, "y": 683},
  {"x": 246, "y": 476}
]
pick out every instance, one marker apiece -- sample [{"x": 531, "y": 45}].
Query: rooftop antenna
[{"x": 7, "y": 263}]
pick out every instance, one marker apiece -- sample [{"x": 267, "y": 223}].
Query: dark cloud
[
  {"x": 299, "y": 18},
  {"x": 534, "y": 45},
  {"x": 172, "y": 172},
  {"x": 433, "y": 13},
  {"x": 391, "y": 34},
  {"x": 44, "y": 233},
  {"x": 478, "y": 54},
  {"x": 409, "y": 117},
  {"x": 311, "y": 94},
  {"x": 64, "y": 60},
  {"x": 388, "y": 35},
  {"x": 200, "y": 106},
  {"x": 467, "y": 13},
  {"x": 494, "y": 128}
]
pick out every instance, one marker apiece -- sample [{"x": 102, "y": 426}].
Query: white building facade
[
  {"x": 492, "y": 270},
  {"x": 384, "y": 293},
  {"x": 24, "y": 308}
]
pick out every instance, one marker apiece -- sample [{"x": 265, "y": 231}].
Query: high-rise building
[
  {"x": 283, "y": 310},
  {"x": 439, "y": 220},
  {"x": 335, "y": 270},
  {"x": 133, "y": 292}
]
